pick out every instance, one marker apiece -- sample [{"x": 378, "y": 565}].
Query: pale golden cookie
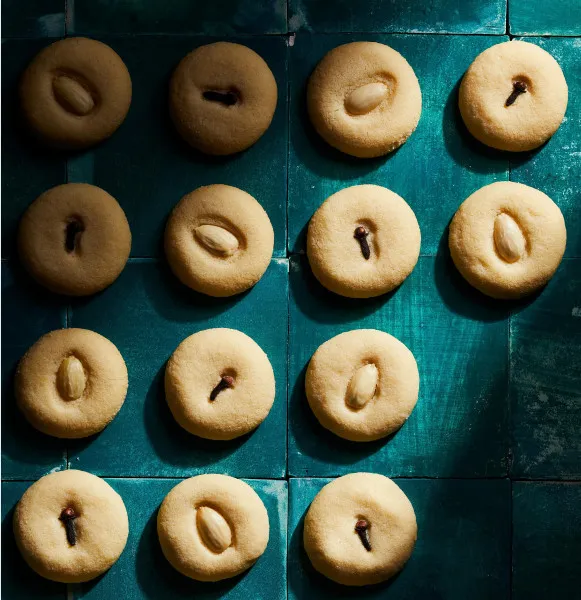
[
  {"x": 362, "y": 385},
  {"x": 70, "y": 526},
  {"x": 364, "y": 99},
  {"x": 363, "y": 241},
  {"x": 360, "y": 529},
  {"x": 507, "y": 239},
  {"x": 74, "y": 239},
  {"x": 75, "y": 93},
  {"x": 222, "y": 98},
  {"x": 219, "y": 384},
  {"x": 219, "y": 240},
  {"x": 212, "y": 527},
  {"x": 71, "y": 383},
  {"x": 514, "y": 96}
]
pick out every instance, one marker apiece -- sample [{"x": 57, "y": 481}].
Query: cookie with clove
[
  {"x": 226, "y": 530},
  {"x": 74, "y": 239},
  {"x": 507, "y": 239},
  {"x": 513, "y": 96},
  {"x": 219, "y": 384},
  {"x": 360, "y": 529},
  {"x": 219, "y": 240},
  {"x": 222, "y": 98},
  {"x": 363, "y": 241},
  {"x": 364, "y": 99},
  {"x": 362, "y": 385},
  {"x": 71, "y": 383},
  {"x": 75, "y": 93},
  {"x": 70, "y": 526}
]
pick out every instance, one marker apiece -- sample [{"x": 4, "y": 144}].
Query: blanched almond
[
  {"x": 72, "y": 96},
  {"x": 217, "y": 239},
  {"x": 361, "y": 388},
  {"x": 508, "y": 238},
  {"x": 213, "y": 529},
  {"x": 71, "y": 378},
  {"x": 366, "y": 98}
]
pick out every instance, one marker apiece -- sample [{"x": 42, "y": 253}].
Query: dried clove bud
[
  {"x": 361, "y": 528},
  {"x": 360, "y": 235},
  {"x": 518, "y": 88},
  {"x": 224, "y": 383},
  {"x": 68, "y": 517}
]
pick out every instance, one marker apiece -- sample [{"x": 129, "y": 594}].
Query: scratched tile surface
[
  {"x": 434, "y": 171},
  {"x": 459, "y": 426},
  {"x": 33, "y": 18},
  {"x": 438, "y": 16},
  {"x": 546, "y": 540},
  {"x": 538, "y": 17},
  {"x": 463, "y": 529}
]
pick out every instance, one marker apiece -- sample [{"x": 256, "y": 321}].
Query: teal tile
[
  {"x": 27, "y": 168},
  {"x": 459, "y": 338},
  {"x": 545, "y": 384},
  {"x": 148, "y": 168},
  {"x": 146, "y": 314},
  {"x": 18, "y": 579},
  {"x": 27, "y": 313},
  {"x": 546, "y": 541},
  {"x": 539, "y": 17},
  {"x": 228, "y": 17},
  {"x": 438, "y": 16},
  {"x": 143, "y": 572},
  {"x": 434, "y": 171},
  {"x": 463, "y": 547},
  {"x": 33, "y": 18},
  {"x": 555, "y": 168}
]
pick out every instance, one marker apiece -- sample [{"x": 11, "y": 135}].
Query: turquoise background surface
[{"x": 490, "y": 457}]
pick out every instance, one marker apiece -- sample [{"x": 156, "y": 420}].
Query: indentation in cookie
[
  {"x": 213, "y": 529},
  {"x": 73, "y": 231},
  {"x": 509, "y": 240},
  {"x": 362, "y": 386},
  {"x": 228, "y": 97},
  {"x": 71, "y": 378},
  {"x": 366, "y": 98},
  {"x": 74, "y": 93},
  {"x": 217, "y": 240}
]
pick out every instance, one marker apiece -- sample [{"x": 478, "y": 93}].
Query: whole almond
[
  {"x": 217, "y": 239},
  {"x": 71, "y": 378},
  {"x": 361, "y": 388},
  {"x": 366, "y": 98},
  {"x": 508, "y": 238},
  {"x": 72, "y": 96},
  {"x": 213, "y": 529}
]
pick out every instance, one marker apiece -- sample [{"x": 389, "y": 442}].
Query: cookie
[
  {"x": 363, "y": 241},
  {"x": 75, "y": 93},
  {"x": 364, "y": 99},
  {"x": 362, "y": 385},
  {"x": 227, "y": 527},
  {"x": 219, "y": 240},
  {"x": 70, "y": 526},
  {"x": 222, "y": 98},
  {"x": 71, "y": 383},
  {"x": 507, "y": 239},
  {"x": 513, "y": 97},
  {"x": 74, "y": 239},
  {"x": 219, "y": 384},
  {"x": 360, "y": 529}
]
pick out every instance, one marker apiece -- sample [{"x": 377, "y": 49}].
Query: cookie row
[
  {"x": 363, "y": 98},
  {"x": 71, "y": 527}
]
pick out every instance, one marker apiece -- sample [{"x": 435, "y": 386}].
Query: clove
[
  {"x": 360, "y": 235},
  {"x": 518, "y": 88},
  {"x": 68, "y": 517},
  {"x": 224, "y": 383},
  {"x": 362, "y": 530}
]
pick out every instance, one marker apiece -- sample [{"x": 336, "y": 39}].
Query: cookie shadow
[
  {"x": 318, "y": 443},
  {"x": 306, "y": 583},
  {"x": 174, "y": 445},
  {"x": 319, "y": 304},
  {"x": 464, "y": 299},
  {"x": 154, "y": 572}
]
